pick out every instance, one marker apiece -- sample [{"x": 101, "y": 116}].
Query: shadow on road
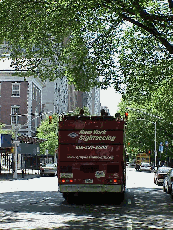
[{"x": 141, "y": 209}]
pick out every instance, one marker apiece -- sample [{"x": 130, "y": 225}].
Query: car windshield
[
  {"x": 163, "y": 169},
  {"x": 146, "y": 165},
  {"x": 50, "y": 165}
]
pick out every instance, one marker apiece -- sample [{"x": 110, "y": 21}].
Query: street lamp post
[
  {"x": 16, "y": 128},
  {"x": 155, "y": 148}
]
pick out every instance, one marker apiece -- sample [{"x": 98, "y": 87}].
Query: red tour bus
[{"x": 91, "y": 155}]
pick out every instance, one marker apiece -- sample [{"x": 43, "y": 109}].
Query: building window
[
  {"x": 36, "y": 94},
  {"x": 33, "y": 91},
  {"x": 15, "y": 89},
  {"x": 14, "y": 116}
]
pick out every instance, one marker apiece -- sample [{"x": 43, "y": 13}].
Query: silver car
[
  {"x": 48, "y": 170},
  {"x": 146, "y": 167},
  {"x": 160, "y": 174},
  {"x": 168, "y": 183}
]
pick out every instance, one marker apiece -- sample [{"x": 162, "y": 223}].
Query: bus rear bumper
[{"x": 91, "y": 188}]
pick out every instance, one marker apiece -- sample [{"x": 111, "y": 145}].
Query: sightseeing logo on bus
[{"x": 94, "y": 135}]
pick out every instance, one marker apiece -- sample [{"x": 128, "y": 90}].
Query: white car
[
  {"x": 168, "y": 183},
  {"x": 146, "y": 167},
  {"x": 48, "y": 169}
]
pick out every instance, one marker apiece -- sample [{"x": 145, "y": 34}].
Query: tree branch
[
  {"x": 145, "y": 15},
  {"x": 152, "y": 31},
  {"x": 170, "y": 2}
]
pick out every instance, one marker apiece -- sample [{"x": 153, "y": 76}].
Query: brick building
[{"x": 22, "y": 97}]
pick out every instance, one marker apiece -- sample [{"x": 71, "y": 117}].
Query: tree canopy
[
  {"x": 5, "y": 131},
  {"x": 127, "y": 43},
  {"x": 50, "y": 133},
  {"x": 140, "y": 130}
]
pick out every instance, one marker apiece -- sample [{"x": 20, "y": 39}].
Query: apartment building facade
[
  {"x": 20, "y": 102},
  {"x": 61, "y": 98},
  {"x": 55, "y": 96}
]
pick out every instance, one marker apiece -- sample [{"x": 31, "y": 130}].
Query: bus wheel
[
  {"x": 69, "y": 197},
  {"x": 121, "y": 196},
  {"x": 65, "y": 195}
]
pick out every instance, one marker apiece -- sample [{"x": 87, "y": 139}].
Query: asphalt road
[{"x": 36, "y": 204}]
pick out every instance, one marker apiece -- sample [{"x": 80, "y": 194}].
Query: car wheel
[
  {"x": 172, "y": 195},
  {"x": 159, "y": 183},
  {"x": 168, "y": 190},
  {"x": 164, "y": 189}
]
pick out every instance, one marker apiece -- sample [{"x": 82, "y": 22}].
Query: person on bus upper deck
[
  {"x": 103, "y": 113},
  {"x": 81, "y": 113}
]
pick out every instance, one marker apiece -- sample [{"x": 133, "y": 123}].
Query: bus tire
[
  {"x": 69, "y": 197},
  {"x": 65, "y": 195},
  {"x": 121, "y": 195}
]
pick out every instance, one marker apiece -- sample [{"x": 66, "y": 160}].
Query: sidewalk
[{"x": 30, "y": 174}]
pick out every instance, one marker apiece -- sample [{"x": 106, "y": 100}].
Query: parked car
[
  {"x": 172, "y": 192},
  {"x": 127, "y": 163},
  {"x": 146, "y": 167},
  {"x": 168, "y": 182},
  {"x": 160, "y": 175},
  {"x": 132, "y": 164},
  {"x": 48, "y": 169}
]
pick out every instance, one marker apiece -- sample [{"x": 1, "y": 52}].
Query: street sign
[
  {"x": 161, "y": 147},
  {"x": 16, "y": 142},
  {"x": 5, "y": 140}
]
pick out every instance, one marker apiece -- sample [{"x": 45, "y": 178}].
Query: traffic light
[
  {"x": 12, "y": 150},
  {"x": 50, "y": 119},
  {"x": 126, "y": 115}
]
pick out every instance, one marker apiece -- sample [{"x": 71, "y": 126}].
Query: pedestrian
[{"x": 22, "y": 173}]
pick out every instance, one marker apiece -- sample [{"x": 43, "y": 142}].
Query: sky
[
  {"x": 5, "y": 64},
  {"x": 110, "y": 98}
]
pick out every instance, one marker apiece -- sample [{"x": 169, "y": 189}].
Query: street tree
[
  {"x": 140, "y": 128},
  {"x": 49, "y": 132},
  {"x": 5, "y": 131},
  {"x": 125, "y": 43}
]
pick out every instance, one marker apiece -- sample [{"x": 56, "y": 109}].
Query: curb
[{"x": 9, "y": 176}]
